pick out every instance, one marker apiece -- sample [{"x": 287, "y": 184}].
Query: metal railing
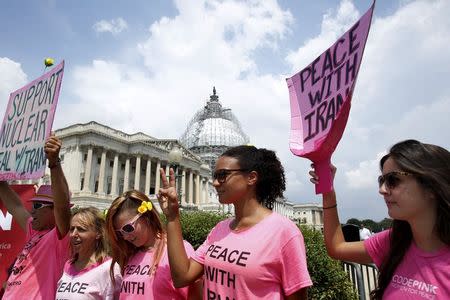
[{"x": 364, "y": 277}]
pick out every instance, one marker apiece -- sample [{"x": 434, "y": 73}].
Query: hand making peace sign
[{"x": 167, "y": 195}]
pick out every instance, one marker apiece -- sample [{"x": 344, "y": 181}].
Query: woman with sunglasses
[
  {"x": 138, "y": 245},
  {"x": 258, "y": 254},
  {"x": 414, "y": 255},
  {"x": 86, "y": 273}
]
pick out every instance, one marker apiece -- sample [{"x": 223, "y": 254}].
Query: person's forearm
[
  {"x": 61, "y": 196},
  {"x": 13, "y": 204},
  {"x": 331, "y": 226},
  {"x": 60, "y": 188},
  {"x": 178, "y": 259},
  {"x": 9, "y": 198}
]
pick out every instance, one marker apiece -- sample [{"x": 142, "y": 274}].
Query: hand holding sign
[
  {"x": 315, "y": 178},
  {"x": 320, "y": 98},
  {"x": 52, "y": 148}
]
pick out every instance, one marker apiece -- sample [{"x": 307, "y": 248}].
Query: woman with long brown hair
[
  {"x": 138, "y": 244},
  {"x": 414, "y": 255}
]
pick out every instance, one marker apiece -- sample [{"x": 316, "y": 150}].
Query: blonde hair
[
  {"x": 92, "y": 217},
  {"x": 121, "y": 250}
]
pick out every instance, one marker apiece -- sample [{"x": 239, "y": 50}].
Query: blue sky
[
  {"x": 134, "y": 61},
  {"x": 64, "y": 29}
]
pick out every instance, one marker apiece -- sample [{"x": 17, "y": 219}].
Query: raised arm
[
  {"x": 184, "y": 270},
  {"x": 60, "y": 188},
  {"x": 335, "y": 243},
  {"x": 13, "y": 204}
]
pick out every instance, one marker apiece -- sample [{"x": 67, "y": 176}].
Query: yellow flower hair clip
[{"x": 145, "y": 206}]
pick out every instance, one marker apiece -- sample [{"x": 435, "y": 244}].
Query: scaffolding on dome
[{"x": 212, "y": 130}]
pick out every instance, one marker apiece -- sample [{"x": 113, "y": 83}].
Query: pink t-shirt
[
  {"x": 420, "y": 275},
  {"x": 265, "y": 261},
  {"x": 139, "y": 284},
  {"x": 39, "y": 266},
  {"x": 93, "y": 282}
]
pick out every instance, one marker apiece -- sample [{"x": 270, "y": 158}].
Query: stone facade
[
  {"x": 101, "y": 162},
  {"x": 310, "y": 214}
]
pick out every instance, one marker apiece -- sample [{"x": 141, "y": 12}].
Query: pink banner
[
  {"x": 12, "y": 235},
  {"x": 27, "y": 124},
  {"x": 320, "y": 98}
]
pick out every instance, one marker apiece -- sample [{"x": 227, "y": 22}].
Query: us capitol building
[{"x": 101, "y": 162}]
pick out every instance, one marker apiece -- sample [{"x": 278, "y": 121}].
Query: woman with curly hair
[
  {"x": 138, "y": 245},
  {"x": 414, "y": 255},
  {"x": 258, "y": 254}
]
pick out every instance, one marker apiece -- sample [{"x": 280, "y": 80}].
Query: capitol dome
[{"x": 212, "y": 130}]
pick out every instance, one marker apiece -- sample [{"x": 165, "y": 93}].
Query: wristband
[
  {"x": 55, "y": 164},
  {"x": 332, "y": 206}
]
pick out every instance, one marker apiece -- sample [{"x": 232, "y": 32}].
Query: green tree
[
  {"x": 385, "y": 223},
  {"x": 372, "y": 225},
  {"x": 329, "y": 279},
  {"x": 354, "y": 221},
  {"x": 197, "y": 224}
]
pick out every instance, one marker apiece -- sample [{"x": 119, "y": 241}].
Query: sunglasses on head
[
  {"x": 391, "y": 179},
  {"x": 37, "y": 205},
  {"x": 222, "y": 174},
  {"x": 129, "y": 227}
]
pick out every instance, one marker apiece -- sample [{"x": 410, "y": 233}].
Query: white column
[
  {"x": 114, "y": 175},
  {"x": 126, "y": 176},
  {"x": 137, "y": 173},
  {"x": 197, "y": 189},
  {"x": 205, "y": 190},
  {"x": 167, "y": 169},
  {"x": 191, "y": 188},
  {"x": 157, "y": 177},
  {"x": 148, "y": 175},
  {"x": 87, "y": 171},
  {"x": 183, "y": 187},
  {"x": 201, "y": 196},
  {"x": 101, "y": 175}
]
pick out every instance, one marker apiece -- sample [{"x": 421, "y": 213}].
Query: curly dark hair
[
  {"x": 430, "y": 165},
  {"x": 271, "y": 181}
]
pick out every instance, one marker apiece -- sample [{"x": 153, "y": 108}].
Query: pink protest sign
[
  {"x": 27, "y": 124},
  {"x": 320, "y": 97}
]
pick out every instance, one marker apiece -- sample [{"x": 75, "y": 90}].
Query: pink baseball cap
[{"x": 44, "y": 194}]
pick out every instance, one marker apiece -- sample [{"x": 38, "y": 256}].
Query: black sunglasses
[
  {"x": 37, "y": 205},
  {"x": 391, "y": 179},
  {"x": 222, "y": 174}
]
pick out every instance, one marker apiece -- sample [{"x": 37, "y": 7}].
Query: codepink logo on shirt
[{"x": 416, "y": 287}]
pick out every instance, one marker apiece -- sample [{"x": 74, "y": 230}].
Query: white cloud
[
  {"x": 214, "y": 39},
  {"x": 293, "y": 180},
  {"x": 114, "y": 26},
  {"x": 365, "y": 175},
  {"x": 334, "y": 24},
  {"x": 12, "y": 78}
]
